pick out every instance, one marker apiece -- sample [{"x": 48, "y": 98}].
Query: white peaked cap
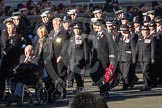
[
  {"x": 97, "y": 11},
  {"x": 72, "y": 11},
  {"x": 16, "y": 13},
  {"x": 94, "y": 20},
  {"x": 43, "y": 15},
  {"x": 15, "y": 17},
  {"x": 23, "y": 9}
]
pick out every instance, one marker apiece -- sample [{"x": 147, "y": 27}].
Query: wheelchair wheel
[{"x": 42, "y": 95}]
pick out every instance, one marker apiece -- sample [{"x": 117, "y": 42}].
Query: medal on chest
[
  {"x": 78, "y": 41},
  {"x": 127, "y": 41},
  {"x": 147, "y": 41}
]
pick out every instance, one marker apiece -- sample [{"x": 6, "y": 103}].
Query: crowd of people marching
[{"x": 64, "y": 49}]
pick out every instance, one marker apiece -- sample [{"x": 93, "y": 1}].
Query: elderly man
[
  {"x": 59, "y": 36},
  {"x": 21, "y": 77}
]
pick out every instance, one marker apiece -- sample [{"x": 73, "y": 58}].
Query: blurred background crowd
[{"x": 35, "y": 8}]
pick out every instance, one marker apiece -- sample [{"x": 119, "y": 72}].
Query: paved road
[{"x": 118, "y": 98}]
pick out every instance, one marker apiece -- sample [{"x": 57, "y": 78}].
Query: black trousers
[
  {"x": 133, "y": 76},
  {"x": 157, "y": 72},
  {"x": 79, "y": 78},
  {"x": 4, "y": 74},
  {"x": 3, "y": 77},
  {"x": 147, "y": 74},
  {"x": 127, "y": 71}
]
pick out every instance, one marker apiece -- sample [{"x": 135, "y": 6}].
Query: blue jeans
[{"x": 18, "y": 89}]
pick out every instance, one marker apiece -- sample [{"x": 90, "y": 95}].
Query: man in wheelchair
[{"x": 26, "y": 72}]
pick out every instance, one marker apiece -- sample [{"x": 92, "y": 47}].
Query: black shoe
[
  {"x": 125, "y": 87},
  {"x": 79, "y": 90},
  {"x": 134, "y": 82},
  {"x": 13, "y": 98},
  {"x": 145, "y": 89},
  {"x": 105, "y": 95}
]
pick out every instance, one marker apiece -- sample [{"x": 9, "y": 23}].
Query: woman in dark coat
[
  {"x": 44, "y": 54},
  {"x": 78, "y": 55}
]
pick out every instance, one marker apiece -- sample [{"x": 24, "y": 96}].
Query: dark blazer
[
  {"x": 146, "y": 49},
  {"x": 57, "y": 47},
  {"x": 126, "y": 48}
]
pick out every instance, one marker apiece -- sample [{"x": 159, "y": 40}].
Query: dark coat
[
  {"x": 12, "y": 49},
  {"x": 27, "y": 73},
  {"x": 4, "y": 37},
  {"x": 78, "y": 54},
  {"x": 103, "y": 52},
  {"x": 146, "y": 49},
  {"x": 159, "y": 45},
  {"x": 47, "y": 55}
]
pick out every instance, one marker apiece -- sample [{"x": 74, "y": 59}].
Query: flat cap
[
  {"x": 144, "y": 28},
  {"x": 124, "y": 27},
  {"x": 152, "y": 24},
  {"x": 109, "y": 23},
  {"x": 130, "y": 24},
  {"x": 77, "y": 26}
]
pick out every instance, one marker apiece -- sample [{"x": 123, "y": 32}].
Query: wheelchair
[{"x": 33, "y": 80}]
